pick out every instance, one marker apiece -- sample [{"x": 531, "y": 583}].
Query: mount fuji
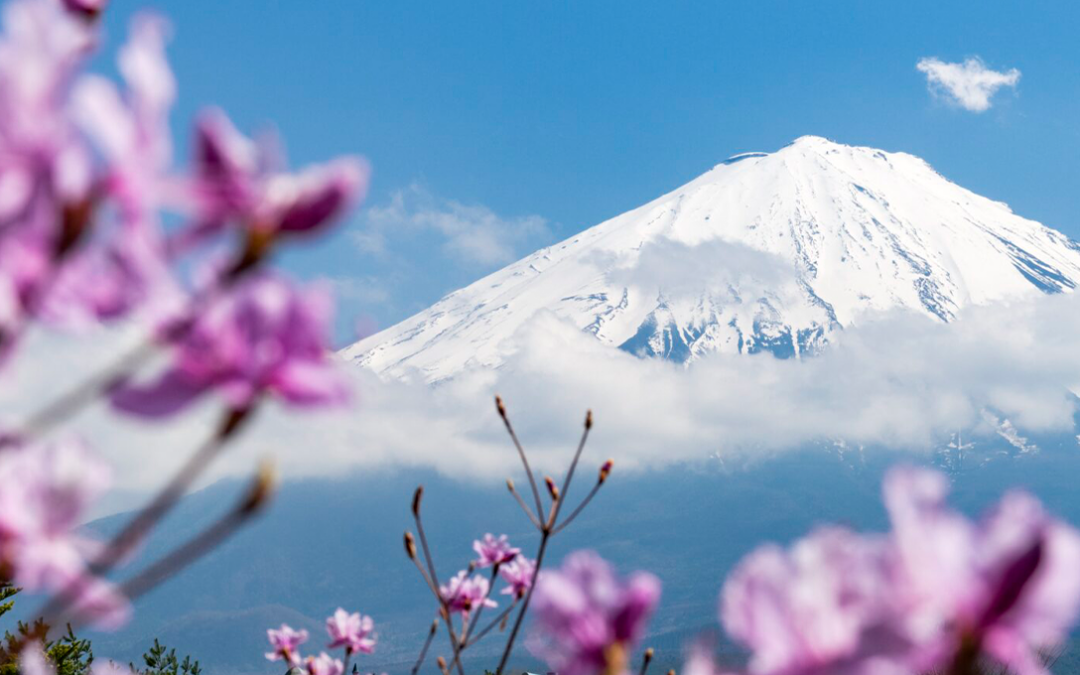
[{"x": 765, "y": 252}]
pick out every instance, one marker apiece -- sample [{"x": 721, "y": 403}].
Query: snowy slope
[{"x": 764, "y": 252}]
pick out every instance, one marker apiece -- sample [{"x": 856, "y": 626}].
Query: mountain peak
[{"x": 765, "y": 252}]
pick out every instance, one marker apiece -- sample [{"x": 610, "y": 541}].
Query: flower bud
[
  {"x": 588, "y": 419},
  {"x": 262, "y": 488},
  {"x": 552, "y": 489},
  {"x": 410, "y": 546},
  {"x": 605, "y": 470},
  {"x": 417, "y": 496},
  {"x": 500, "y": 407}
]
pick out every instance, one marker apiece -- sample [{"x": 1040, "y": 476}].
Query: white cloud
[
  {"x": 901, "y": 382},
  {"x": 470, "y": 233},
  {"x": 969, "y": 85}
]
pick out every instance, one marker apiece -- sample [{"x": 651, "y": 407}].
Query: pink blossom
[
  {"x": 128, "y": 265},
  {"x": 236, "y": 181},
  {"x": 494, "y": 551},
  {"x": 588, "y": 620},
  {"x": 463, "y": 594},
  {"x": 48, "y": 489},
  {"x": 821, "y": 606},
  {"x": 44, "y": 167},
  {"x": 351, "y": 631},
  {"x": 324, "y": 664},
  {"x": 1008, "y": 584},
  {"x": 518, "y": 575},
  {"x": 41, "y": 158},
  {"x": 265, "y": 337},
  {"x": 285, "y": 643}
]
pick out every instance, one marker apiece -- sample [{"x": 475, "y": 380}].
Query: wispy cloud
[
  {"x": 470, "y": 233},
  {"x": 969, "y": 85}
]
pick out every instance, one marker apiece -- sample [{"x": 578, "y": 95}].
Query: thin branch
[
  {"x": 417, "y": 497},
  {"x": 427, "y": 644},
  {"x": 252, "y": 503},
  {"x": 434, "y": 579},
  {"x": 646, "y": 659},
  {"x": 521, "y": 453},
  {"x": 517, "y": 496},
  {"x": 545, "y": 535},
  {"x": 494, "y": 622},
  {"x": 581, "y": 507},
  {"x": 471, "y": 621},
  {"x": 577, "y": 456}
]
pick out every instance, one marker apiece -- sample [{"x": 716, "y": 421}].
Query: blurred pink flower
[
  {"x": 351, "y": 631},
  {"x": 700, "y": 661},
  {"x": 236, "y": 182},
  {"x": 1008, "y": 584},
  {"x": 914, "y": 600},
  {"x": 463, "y": 594},
  {"x": 587, "y": 620},
  {"x": 41, "y": 158},
  {"x": 44, "y": 166},
  {"x": 494, "y": 551},
  {"x": 518, "y": 575},
  {"x": 264, "y": 337},
  {"x": 127, "y": 267},
  {"x": 48, "y": 488},
  {"x": 285, "y": 643},
  {"x": 821, "y": 606},
  {"x": 324, "y": 664},
  {"x": 32, "y": 661}
]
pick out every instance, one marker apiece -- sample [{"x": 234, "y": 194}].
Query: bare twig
[
  {"x": 427, "y": 644},
  {"x": 500, "y": 619},
  {"x": 545, "y": 536},
  {"x": 517, "y": 496},
  {"x": 646, "y": 659},
  {"x": 521, "y": 453}
]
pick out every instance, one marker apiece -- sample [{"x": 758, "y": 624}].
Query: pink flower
[
  {"x": 821, "y": 606},
  {"x": 493, "y": 551},
  {"x": 324, "y": 664},
  {"x": 1008, "y": 584},
  {"x": 351, "y": 631},
  {"x": 285, "y": 643},
  {"x": 127, "y": 267},
  {"x": 45, "y": 170},
  {"x": 518, "y": 575},
  {"x": 236, "y": 181},
  {"x": 587, "y": 620},
  {"x": 48, "y": 488},
  {"x": 463, "y": 594},
  {"x": 40, "y": 155},
  {"x": 265, "y": 337}
]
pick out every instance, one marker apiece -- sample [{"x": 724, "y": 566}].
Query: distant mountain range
[{"x": 765, "y": 252}]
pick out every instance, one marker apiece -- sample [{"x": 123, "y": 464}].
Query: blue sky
[{"x": 537, "y": 120}]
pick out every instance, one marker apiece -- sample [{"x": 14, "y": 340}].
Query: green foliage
[
  {"x": 160, "y": 660},
  {"x": 69, "y": 655}
]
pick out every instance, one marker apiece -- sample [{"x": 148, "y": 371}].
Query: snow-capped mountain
[{"x": 765, "y": 252}]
